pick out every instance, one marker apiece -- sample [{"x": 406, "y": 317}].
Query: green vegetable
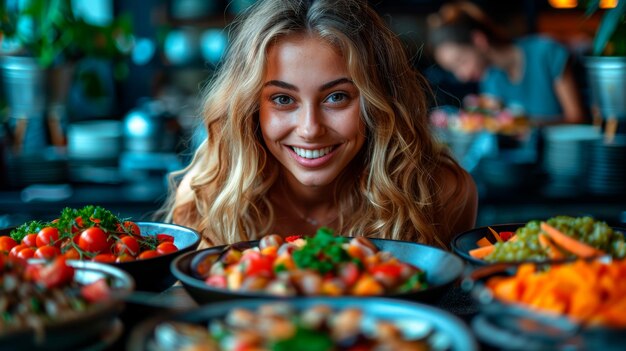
[
  {"x": 322, "y": 252},
  {"x": 27, "y": 228},
  {"x": 305, "y": 340},
  {"x": 415, "y": 282}
]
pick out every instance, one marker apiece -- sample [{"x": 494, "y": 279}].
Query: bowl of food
[
  {"x": 560, "y": 238},
  {"x": 314, "y": 323},
  {"x": 92, "y": 233},
  {"x": 323, "y": 264},
  {"x": 578, "y": 305},
  {"x": 59, "y": 305}
]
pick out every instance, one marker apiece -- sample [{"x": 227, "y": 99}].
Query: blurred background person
[{"x": 532, "y": 75}]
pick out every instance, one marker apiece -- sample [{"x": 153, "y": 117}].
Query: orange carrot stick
[
  {"x": 553, "y": 251},
  {"x": 482, "y": 242},
  {"x": 495, "y": 234},
  {"x": 570, "y": 244},
  {"x": 482, "y": 252}
]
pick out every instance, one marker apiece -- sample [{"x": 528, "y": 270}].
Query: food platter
[
  {"x": 143, "y": 271},
  {"x": 463, "y": 243},
  {"x": 79, "y": 328},
  {"x": 447, "y": 332},
  {"x": 442, "y": 269},
  {"x": 515, "y": 326}
]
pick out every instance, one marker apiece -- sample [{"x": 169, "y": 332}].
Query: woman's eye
[
  {"x": 282, "y": 100},
  {"x": 336, "y": 97}
]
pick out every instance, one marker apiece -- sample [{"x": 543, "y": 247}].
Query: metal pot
[{"x": 607, "y": 83}]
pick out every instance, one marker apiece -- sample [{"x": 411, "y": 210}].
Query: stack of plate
[
  {"x": 93, "y": 148},
  {"x": 47, "y": 166},
  {"x": 566, "y": 158},
  {"x": 607, "y": 169}
]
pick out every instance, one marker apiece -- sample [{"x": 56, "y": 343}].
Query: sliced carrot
[
  {"x": 513, "y": 238},
  {"x": 495, "y": 234},
  {"x": 553, "y": 251},
  {"x": 482, "y": 252},
  {"x": 570, "y": 244},
  {"x": 482, "y": 242}
]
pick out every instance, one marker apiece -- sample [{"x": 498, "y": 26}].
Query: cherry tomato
[
  {"x": 72, "y": 254},
  {"x": 124, "y": 258},
  {"x": 126, "y": 245},
  {"x": 104, "y": 258},
  {"x": 94, "y": 240},
  {"x": 129, "y": 227},
  {"x": 26, "y": 253},
  {"x": 47, "y": 252},
  {"x": 16, "y": 249},
  {"x": 30, "y": 240},
  {"x": 148, "y": 254},
  {"x": 349, "y": 273},
  {"x": 165, "y": 238},
  {"x": 166, "y": 248},
  {"x": 7, "y": 243},
  {"x": 47, "y": 236}
]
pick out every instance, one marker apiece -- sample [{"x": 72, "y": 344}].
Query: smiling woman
[{"x": 316, "y": 118}]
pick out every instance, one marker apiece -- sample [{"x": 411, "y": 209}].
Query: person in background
[
  {"x": 533, "y": 74},
  {"x": 316, "y": 118}
]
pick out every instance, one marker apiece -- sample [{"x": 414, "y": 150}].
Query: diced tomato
[
  {"x": 218, "y": 281},
  {"x": 96, "y": 291},
  {"x": 257, "y": 264},
  {"x": 349, "y": 273},
  {"x": 55, "y": 273},
  {"x": 292, "y": 238},
  {"x": 388, "y": 269},
  {"x": 506, "y": 235}
]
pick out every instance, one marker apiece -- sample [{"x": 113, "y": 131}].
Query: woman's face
[
  {"x": 309, "y": 110},
  {"x": 466, "y": 62}
]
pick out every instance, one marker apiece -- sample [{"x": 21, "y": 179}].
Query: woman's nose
[{"x": 310, "y": 122}]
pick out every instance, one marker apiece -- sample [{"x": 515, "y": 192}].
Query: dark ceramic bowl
[
  {"x": 83, "y": 328},
  {"x": 466, "y": 241},
  {"x": 515, "y": 327},
  {"x": 451, "y": 333},
  {"x": 154, "y": 274},
  {"x": 442, "y": 270}
]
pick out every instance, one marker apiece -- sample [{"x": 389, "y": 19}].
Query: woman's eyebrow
[
  {"x": 281, "y": 84},
  {"x": 325, "y": 86},
  {"x": 335, "y": 82}
]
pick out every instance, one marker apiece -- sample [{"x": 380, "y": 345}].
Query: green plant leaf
[{"x": 608, "y": 25}]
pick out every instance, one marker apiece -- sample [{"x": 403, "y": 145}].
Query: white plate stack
[{"x": 93, "y": 149}]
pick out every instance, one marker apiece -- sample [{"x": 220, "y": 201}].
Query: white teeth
[{"x": 306, "y": 153}]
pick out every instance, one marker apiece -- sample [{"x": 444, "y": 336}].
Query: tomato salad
[
  {"x": 90, "y": 233},
  {"x": 320, "y": 265}
]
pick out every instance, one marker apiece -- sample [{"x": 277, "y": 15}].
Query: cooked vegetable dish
[
  {"x": 589, "y": 292},
  {"x": 324, "y": 264},
  {"x": 558, "y": 238},
  {"x": 278, "y": 327}
]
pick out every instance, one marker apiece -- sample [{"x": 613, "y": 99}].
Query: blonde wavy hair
[{"x": 390, "y": 184}]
